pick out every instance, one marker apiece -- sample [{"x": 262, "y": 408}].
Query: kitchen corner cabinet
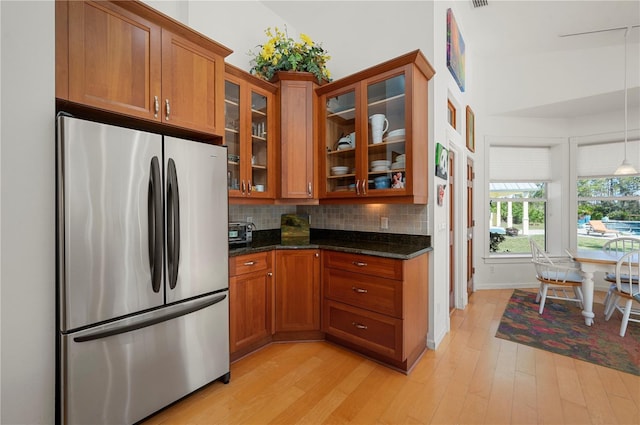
[
  {"x": 251, "y": 302},
  {"x": 298, "y": 107},
  {"x": 250, "y": 135},
  {"x": 377, "y": 306},
  {"x": 386, "y": 158},
  {"x": 297, "y": 294},
  {"x": 129, "y": 59}
]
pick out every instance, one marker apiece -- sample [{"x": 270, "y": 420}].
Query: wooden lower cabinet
[
  {"x": 251, "y": 302},
  {"x": 297, "y": 294},
  {"x": 376, "y": 306}
]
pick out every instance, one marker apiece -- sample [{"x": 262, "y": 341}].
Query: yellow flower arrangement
[{"x": 282, "y": 53}]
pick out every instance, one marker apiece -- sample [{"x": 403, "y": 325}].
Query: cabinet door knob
[
  {"x": 250, "y": 263},
  {"x": 167, "y": 108},
  {"x": 309, "y": 191},
  {"x": 358, "y": 187},
  {"x": 317, "y": 255},
  {"x": 359, "y": 325},
  {"x": 270, "y": 274},
  {"x": 249, "y": 187},
  {"x": 156, "y": 106},
  {"x": 359, "y": 290},
  {"x": 359, "y": 264},
  {"x": 243, "y": 186},
  {"x": 364, "y": 187}
]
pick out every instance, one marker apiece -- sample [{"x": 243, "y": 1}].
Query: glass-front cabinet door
[
  {"x": 232, "y": 134},
  {"x": 249, "y": 136},
  {"x": 259, "y": 182},
  {"x": 386, "y": 154},
  {"x": 366, "y": 138},
  {"x": 341, "y": 142}
]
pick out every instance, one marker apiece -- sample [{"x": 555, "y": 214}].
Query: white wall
[{"x": 27, "y": 217}]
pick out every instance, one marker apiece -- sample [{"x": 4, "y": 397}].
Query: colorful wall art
[
  {"x": 442, "y": 161},
  {"x": 455, "y": 50}
]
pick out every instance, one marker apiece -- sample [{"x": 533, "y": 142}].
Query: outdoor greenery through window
[
  {"x": 607, "y": 207},
  {"x": 517, "y": 212}
]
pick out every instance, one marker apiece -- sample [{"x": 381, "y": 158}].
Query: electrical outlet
[
  {"x": 384, "y": 223},
  {"x": 249, "y": 219}
]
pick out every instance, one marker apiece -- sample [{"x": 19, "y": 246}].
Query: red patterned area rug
[{"x": 561, "y": 329}]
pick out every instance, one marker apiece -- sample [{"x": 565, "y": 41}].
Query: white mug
[{"x": 379, "y": 125}]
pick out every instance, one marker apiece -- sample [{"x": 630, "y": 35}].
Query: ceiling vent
[{"x": 479, "y": 3}]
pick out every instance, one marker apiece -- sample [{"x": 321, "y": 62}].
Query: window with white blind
[{"x": 518, "y": 177}]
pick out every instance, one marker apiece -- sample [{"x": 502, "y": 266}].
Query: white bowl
[
  {"x": 339, "y": 170},
  {"x": 397, "y": 165},
  {"x": 380, "y": 162},
  {"x": 400, "y": 158},
  {"x": 394, "y": 133},
  {"x": 380, "y": 168}
]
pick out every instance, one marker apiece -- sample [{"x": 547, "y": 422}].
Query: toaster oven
[{"x": 240, "y": 233}]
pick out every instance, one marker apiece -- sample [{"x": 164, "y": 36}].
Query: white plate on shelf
[
  {"x": 396, "y": 133},
  {"x": 379, "y": 169},
  {"x": 381, "y": 163},
  {"x": 394, "y": 139},
  {"x": 397, "y": 165},
  {"x": 339, "y": 170}
]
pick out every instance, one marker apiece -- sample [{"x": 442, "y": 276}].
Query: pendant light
[{"x": 625, "y": 168}]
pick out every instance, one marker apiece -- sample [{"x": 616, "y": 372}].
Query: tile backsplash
[
  {"x": 404, "y": 219},
  {"x": 263, "y": 216}
]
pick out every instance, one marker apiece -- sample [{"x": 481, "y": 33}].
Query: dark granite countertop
[{"x": 389, "y": 245}]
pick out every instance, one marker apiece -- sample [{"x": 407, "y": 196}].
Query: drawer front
[
  {"x": 367, "y": 264},
  {"x": 249, "y": 263},
  {"x": 375, "y": 332},
  {"x": 372, "y": 293}
]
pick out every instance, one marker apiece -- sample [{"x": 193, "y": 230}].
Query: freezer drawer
[{"x": 124, "y": 377}]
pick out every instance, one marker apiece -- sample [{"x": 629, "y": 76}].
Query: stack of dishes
[
  {"x": 339, "y": 170},
  {"x": 395, "y": 135},
  {"x": 380, "y": 165},
  {"x": 399, "y": 162}
]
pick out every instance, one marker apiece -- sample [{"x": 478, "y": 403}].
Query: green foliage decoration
[{"x": 283, "y": 53}]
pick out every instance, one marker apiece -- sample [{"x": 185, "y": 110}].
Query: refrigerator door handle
[
  {"x": 154, "y": 208},
  {"x": 118, "y": 328},
  {"x": 173, "y": 223}
]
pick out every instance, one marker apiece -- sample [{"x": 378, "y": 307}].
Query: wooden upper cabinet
[
  {"x": 127, "y": 58},
  {"x": 114, "y": 59},
  {"x": 298, "y": 105},
  {"x": 250, "y": 137},
  {"x": 192, "y": 85},
  {"x": 373, "y": 134}
]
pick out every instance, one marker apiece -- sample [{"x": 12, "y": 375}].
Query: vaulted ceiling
[{"x": 515, "y": 27}]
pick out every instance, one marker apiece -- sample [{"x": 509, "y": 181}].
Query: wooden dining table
[{"x": 591, "y": 261}]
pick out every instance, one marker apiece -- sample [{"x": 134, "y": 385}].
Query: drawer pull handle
[
  {"x": 250, "y": 263},
  {"x": 359, "y": 290},
  {"x": 359, "y": 264},
  {"x": 359, "y": 325}
]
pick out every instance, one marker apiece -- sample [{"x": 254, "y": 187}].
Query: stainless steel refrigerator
[{"x": 142, "y": 275}]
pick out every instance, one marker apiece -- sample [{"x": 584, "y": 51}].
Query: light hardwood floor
[{"x": 473, "y": 378}]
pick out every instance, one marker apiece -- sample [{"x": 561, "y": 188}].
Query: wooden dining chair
[
  {"x": 620, "y": 244},
  {"x": 626, "y": 297},
  {"x": 556, "y": 278}
]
